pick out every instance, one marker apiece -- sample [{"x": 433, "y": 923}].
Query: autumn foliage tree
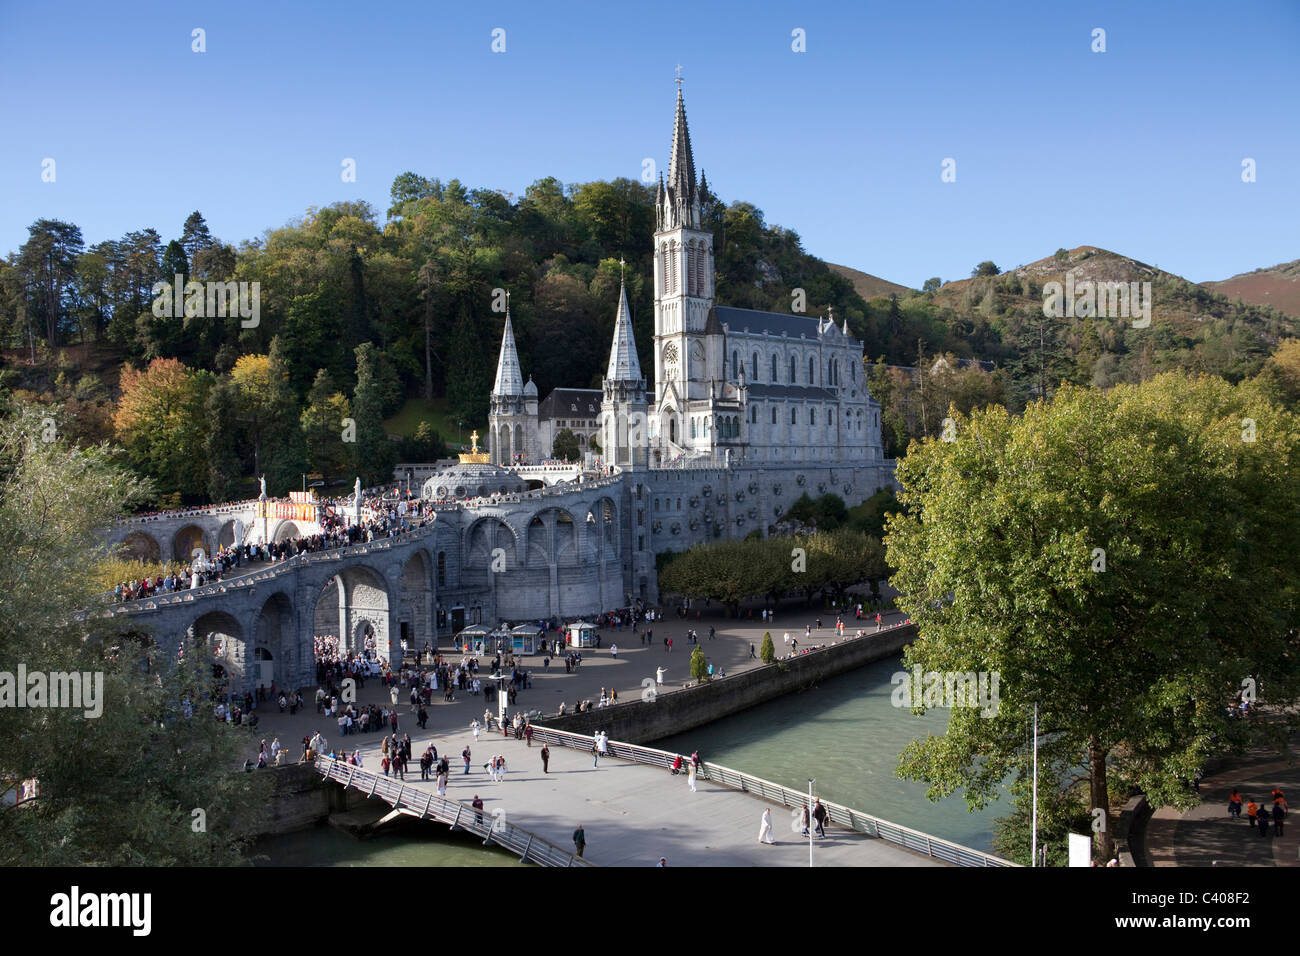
[{"x": 160, "y": 422}]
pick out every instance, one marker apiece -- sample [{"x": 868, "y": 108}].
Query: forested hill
[{"x": 360, "y": 311}]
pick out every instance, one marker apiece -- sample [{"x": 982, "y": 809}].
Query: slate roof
[
  {"x": 814, "y": 392},
  {"x": 773, "y": 323}
]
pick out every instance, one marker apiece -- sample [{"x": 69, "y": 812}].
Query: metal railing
[
  {"x": 847, "y": 817},
  {"x": 425, "y": 804}
]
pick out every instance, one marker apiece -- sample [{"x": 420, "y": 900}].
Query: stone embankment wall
[{"x": 644, "y": 721}]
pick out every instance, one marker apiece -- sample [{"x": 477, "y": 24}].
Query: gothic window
[
  {"x": 812, "y": 370},
  {"x": 794, "y": 416},
  {"x": 773, "y": 369},
  {"x": 773, "y": 414},
  {"x": 753, "y": 415},
  {"x": 756, "y": 366},
  {"x": 656, "y": 504},
  {"x": 831, "y": 421},
  {"x": 672, "y": 267},
  {"x": 442, "y": 568},
  {"x": 692, "y": 428},
  {"x": 812, "y": 417},
  {"x": 791, "y": 369},
  {"x": 735, "y": 365},
  {"x": 679, "y": 504}
]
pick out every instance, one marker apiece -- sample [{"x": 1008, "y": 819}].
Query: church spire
[
  {"x": 510, "y": 380},
  {"x": 682, "y": 204},
  {"x": 623, "y": 363}
]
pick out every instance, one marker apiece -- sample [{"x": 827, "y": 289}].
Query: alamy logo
[
  {"x": 53, "y": 689},
  {"x": 76, "y": 909},
  {"x": 947, "y": 689},
  {"x": 208, "y": 300},
  {"x": 1106, "y": 300}
]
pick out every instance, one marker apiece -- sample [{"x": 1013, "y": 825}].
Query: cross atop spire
[{"x": 678, "y": 71}]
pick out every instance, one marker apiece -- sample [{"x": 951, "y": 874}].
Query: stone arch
[
  {"x": 222, "y": 639},
  {"x": 275, "y": 651},
  {"x": 140, "y": 546},
  {"x": 483, "y": 537},
  {"x": 503, "y": 445},
  {"x": 602, "y": 527},
  {"x": 187, "y": 539},
  {"x": 416, "y": 602},
  {"x": 226, "y": 535},
  {"x": 286, "y": 531},
  {"x": 519, "y": 441},
  {"x": 355, "y": 594}
]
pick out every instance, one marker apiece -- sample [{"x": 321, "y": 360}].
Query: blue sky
[{"x": 1138, "y": 149}]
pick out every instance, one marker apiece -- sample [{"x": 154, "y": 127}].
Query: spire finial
[
  {"x": 620, "y": 269},
  {"x": 678, "y": 71}
]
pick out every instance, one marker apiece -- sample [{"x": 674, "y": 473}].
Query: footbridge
[{"x": 634, "y": 810}]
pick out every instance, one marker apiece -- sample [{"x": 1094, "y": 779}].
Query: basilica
[
  {"x": 749, "y": 411},
  {"x": 734, "y": 387}
]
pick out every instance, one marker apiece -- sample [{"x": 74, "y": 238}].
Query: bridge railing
[
  {"x": 856, "y": 820},
  {"x": 422, "y": 803}
]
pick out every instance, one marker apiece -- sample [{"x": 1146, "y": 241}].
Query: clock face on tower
[{"x": 670, "y": 359}]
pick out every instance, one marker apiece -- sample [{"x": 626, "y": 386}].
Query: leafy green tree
[
  {"x": 222, "y": 413},
  {"x": 565, "y": 446},
  {"x": 766, "y": 651},
  {"x": 323, "y": 424},
  {"x": 932, "y": 285},
  {"x": 286, "y": 453},
  {"x": 375, "y": 453},
  {"x": 1089, "y": 553},
  {"x": 699, "y": 666},
  {"x": 985, "y": 268},
  {"x": 119, "y": 787}
]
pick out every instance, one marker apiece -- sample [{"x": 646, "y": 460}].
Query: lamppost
[{"x": 811, "y": 781}]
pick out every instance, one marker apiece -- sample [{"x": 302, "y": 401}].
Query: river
[{"x": 848, "y": 735}]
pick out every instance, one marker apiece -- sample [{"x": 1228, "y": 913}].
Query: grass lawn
[{"x": 439, "y": 417}]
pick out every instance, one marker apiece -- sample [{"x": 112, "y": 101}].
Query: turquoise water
[{"x": 847, "y": 735}]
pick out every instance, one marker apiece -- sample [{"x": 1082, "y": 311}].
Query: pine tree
[
  {"x": 766, "y": 651},
  {"x": 375, "y": 453}
]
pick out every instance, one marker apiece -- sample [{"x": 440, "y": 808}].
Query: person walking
[
  {"x": 765, "y": 827},
  {"x": 819, "y": 814},
  {"x": 613, "y": 651},
  {"x": 595, "y": 749},
  {"x": 477, "y": 804},
  {"x": 1262, "y": 818},
  {"x": 528, "y": 733},
  {"x": 474, "y": 729},
  {"x": 501, "y": 768},
  {"x": 1251, "y": 809},
  {"x": 1234, "y": 804},
  {"x": 670, "y": 645},
  {"x": 580, "y": 839},
  {"x": 546, "y": 759},
  {"x": 752, "y": 655},
  {"x": 1279, "y": 814},
  {"x": 464, "y": 755},
  {"x": 690, "y": 777}
]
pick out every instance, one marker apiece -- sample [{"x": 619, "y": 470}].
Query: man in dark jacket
[
  {"x": 580, "y": 839},
  {"x": 819, "y": 814}
]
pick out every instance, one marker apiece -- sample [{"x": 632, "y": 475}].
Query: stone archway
[
  {"x": 226, "y": 646},
  {"x": 357, "y": 593},
  {"x": 276, "y": 654},
  {"x": 139, "y": 546},
  {"x": 416, "y": 603},
  {"x": 186, "y": 540},
  {"x": 286, "y": 531}
]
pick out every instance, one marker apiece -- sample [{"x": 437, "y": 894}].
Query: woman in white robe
[{"x": 765, "y": 828}]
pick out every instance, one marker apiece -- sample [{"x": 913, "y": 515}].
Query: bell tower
[{"x": 683, "y": 275}]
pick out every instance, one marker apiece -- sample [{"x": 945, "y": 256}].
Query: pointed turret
[
  {"x": 510, "y": 380},
  {"x": 623, "y": 363}
]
